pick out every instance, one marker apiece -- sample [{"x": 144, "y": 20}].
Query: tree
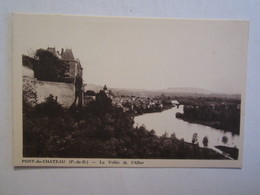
[
  {"x": 165, "y": 135},
  {"x": 205, "y": 141},
  {"x": 225, "y": 139},
  {"x": 50, "y": 67},
  {"x": 50, "y": 107},
  {"x": 173, "y": 136},
  {"x": 195, "y": 138}
]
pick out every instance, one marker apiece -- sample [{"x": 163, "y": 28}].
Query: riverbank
[
  {"x": 216, "y": 112},
  {"x": 166, "y": 122},
  {"x": 203, "y": 153},
  {"x": 200, "y": 122},
  {"x": 164, "y": 108},
  {"x": 213, "y": 124},
  {"x": 232, "y": 152}
]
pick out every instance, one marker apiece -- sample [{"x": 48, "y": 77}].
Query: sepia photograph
[{"x": 94, "y": 91}]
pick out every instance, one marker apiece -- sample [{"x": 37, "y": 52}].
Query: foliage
[
  {"x": 49, "y": 67},
  {"x": 49, "y": 108},
  {"x": 220, "y": 113},
  {"x": 29, "y": 94},
  {"x": 195, "y": 138},
  {"x": 98, "y": 130},
  {"x": 225, "y": 139},
  {"x": 205, "y": 141}
]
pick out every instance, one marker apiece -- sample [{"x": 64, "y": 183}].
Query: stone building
[
  {"x": 35, "y": 91},
  {"x": 73, "y": 65}
]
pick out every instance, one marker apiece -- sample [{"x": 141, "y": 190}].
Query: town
[{"x": 133, "y": 104}]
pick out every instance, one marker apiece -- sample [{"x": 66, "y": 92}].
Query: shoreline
[
  {"x": 203, "y": 123},
  {"x": 232, "y": 152},
  {"x": 164, "y": 109}
]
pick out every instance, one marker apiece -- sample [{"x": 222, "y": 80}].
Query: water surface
[{"x": 166, "y": 121}]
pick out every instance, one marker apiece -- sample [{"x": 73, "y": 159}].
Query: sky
[{"x": 144, "y": 53}]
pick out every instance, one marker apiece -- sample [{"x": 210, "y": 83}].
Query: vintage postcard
[{"x": 128, "y": 92}]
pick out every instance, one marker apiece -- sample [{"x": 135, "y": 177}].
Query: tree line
[{"x": 220, "y": 113}]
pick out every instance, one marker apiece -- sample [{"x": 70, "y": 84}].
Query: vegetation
[
  {"x": 29, "y": 94},
  {"x": 195, "y": 138},
  {"x": 225, "y": 139},
  {"x": 232, "y": 152},
  {"x": 99, "y": 130},
  {"x": 46, "y": 65},
  {"x": 216, "y": 112},
  {"x": 205, "y": 141}
]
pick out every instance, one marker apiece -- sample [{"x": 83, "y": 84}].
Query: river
[{"x": 166, "y": 121}]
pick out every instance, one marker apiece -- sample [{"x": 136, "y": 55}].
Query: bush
[{"x": 49, "y": 108}]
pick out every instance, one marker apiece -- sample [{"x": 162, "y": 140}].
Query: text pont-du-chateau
[{"x": 78, "y": 162}]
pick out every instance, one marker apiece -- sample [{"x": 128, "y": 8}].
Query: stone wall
[
  {"x": 28, "y": 72},
  {"x": 65, "y": 92},
  {"x": 29, "y": 91}
]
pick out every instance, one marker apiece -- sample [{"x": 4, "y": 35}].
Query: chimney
[{"x": 62, "y": 50}]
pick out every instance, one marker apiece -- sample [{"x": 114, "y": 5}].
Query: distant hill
[
  {"x": 186, "y": 90},
  {"x": 178, "y": 91},
  {"x": 168, "y": 92}
]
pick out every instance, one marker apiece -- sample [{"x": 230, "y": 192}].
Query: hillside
[
  {"x": 177, "y": 91},
  {"x": 186, "y": 90}
]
